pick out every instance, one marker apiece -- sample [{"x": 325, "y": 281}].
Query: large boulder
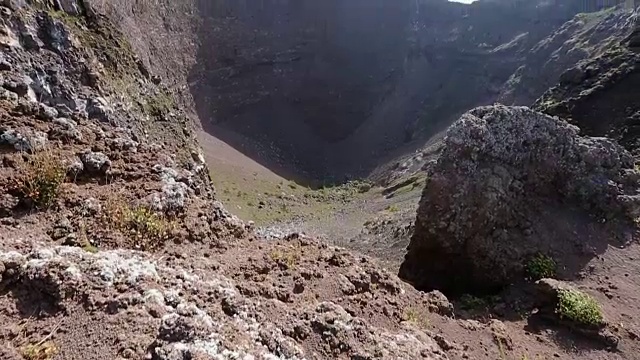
[{"x": 512, "y": 183}]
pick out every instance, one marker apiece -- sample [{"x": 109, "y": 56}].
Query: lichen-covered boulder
[{"x": 510, "y": 183}]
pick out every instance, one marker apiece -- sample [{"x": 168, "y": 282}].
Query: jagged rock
[
  {"x": 336, "y": 326},
  {"x": 7, "y": 203},
  {"x": 8, "y": 95},
  {"x": 71, "y": 7},
  {"x": 189, "y": 325},
  {"x": 500, "y": 173},
  {"x": 547, "y": 290},
  {"x": 61, "y": 229},
  {"x": 75, "y": 167},
  {"x": 56, "y": 33},
  {"x": 95, "y": 162},
  {"x": 29, "y": 37},
  {"x": 439, "y": 303},
  {"x": 573, "y": 76},
  {"x": 91, "y": 206},
  {"x": 13, "y": 4},
  {"x": 48, "y": 112},
  {"x": 30, "y": 142},
  {"x": 5, "y": 65},
  {"x": 123, "y": 143},
  {"x": 198, "y": 164},
  {"x": 66, "y": 130},
  {"x": 98, "y": 108},
  {"x": 19, "y": 86},
  {"x": 174, "y": 196},
  {"x": 500, "y": 334},
  {"x": 606, "y": 91},
  {"x": 174, "y": 193}
]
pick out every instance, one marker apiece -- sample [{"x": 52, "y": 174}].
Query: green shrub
[
  {"x": 158, "y": 105},
  {"x": 579, "y": 307},
  {"x": 364, "y": 187},
  {"x": 84, "y": 239},
  {"x": 541, "y": 266}
]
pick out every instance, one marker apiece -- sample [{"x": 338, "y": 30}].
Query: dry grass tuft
[
  {"x": 41, "y": 176},
  {"x": 40, "y": 351},
  {"x": 287, "y": 258}
]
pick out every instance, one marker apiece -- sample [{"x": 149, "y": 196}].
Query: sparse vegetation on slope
[
  {"x": 269, "y": 201},
  {"x": 40, "y": 179},
  {"x": 418, "y": 317},
  {"x": 146, "y": 228}
]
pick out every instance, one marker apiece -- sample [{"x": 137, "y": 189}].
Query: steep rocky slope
[{"x": 113, "y": 244}]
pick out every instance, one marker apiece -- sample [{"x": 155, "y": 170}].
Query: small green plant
[
  {"x": 41, "y": 177},
  {"x": 90, "y": 248},
  {"x": 40, "y": 351},
  {"x": 541, "y": 266},
  {"x": 393, "y": 208},
  {"x": 284, "y": 208},
  {"x": 417, "y": 317},
  {"x": 147, "y": 228},
  {"x": 579, "y": 307}
]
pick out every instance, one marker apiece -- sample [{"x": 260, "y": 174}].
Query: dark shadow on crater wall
[
  {"x": 290, "y": 83},
  {"x": 328, "y": 89}
]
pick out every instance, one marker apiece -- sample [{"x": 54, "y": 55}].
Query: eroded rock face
[
  {"x": 600, "y": 94},
  {"x": 504, "y": 173}
]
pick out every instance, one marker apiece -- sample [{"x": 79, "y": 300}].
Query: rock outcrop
[
  {"x": 506, "y": 174},
  {"x": 182, "y": 309}
]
